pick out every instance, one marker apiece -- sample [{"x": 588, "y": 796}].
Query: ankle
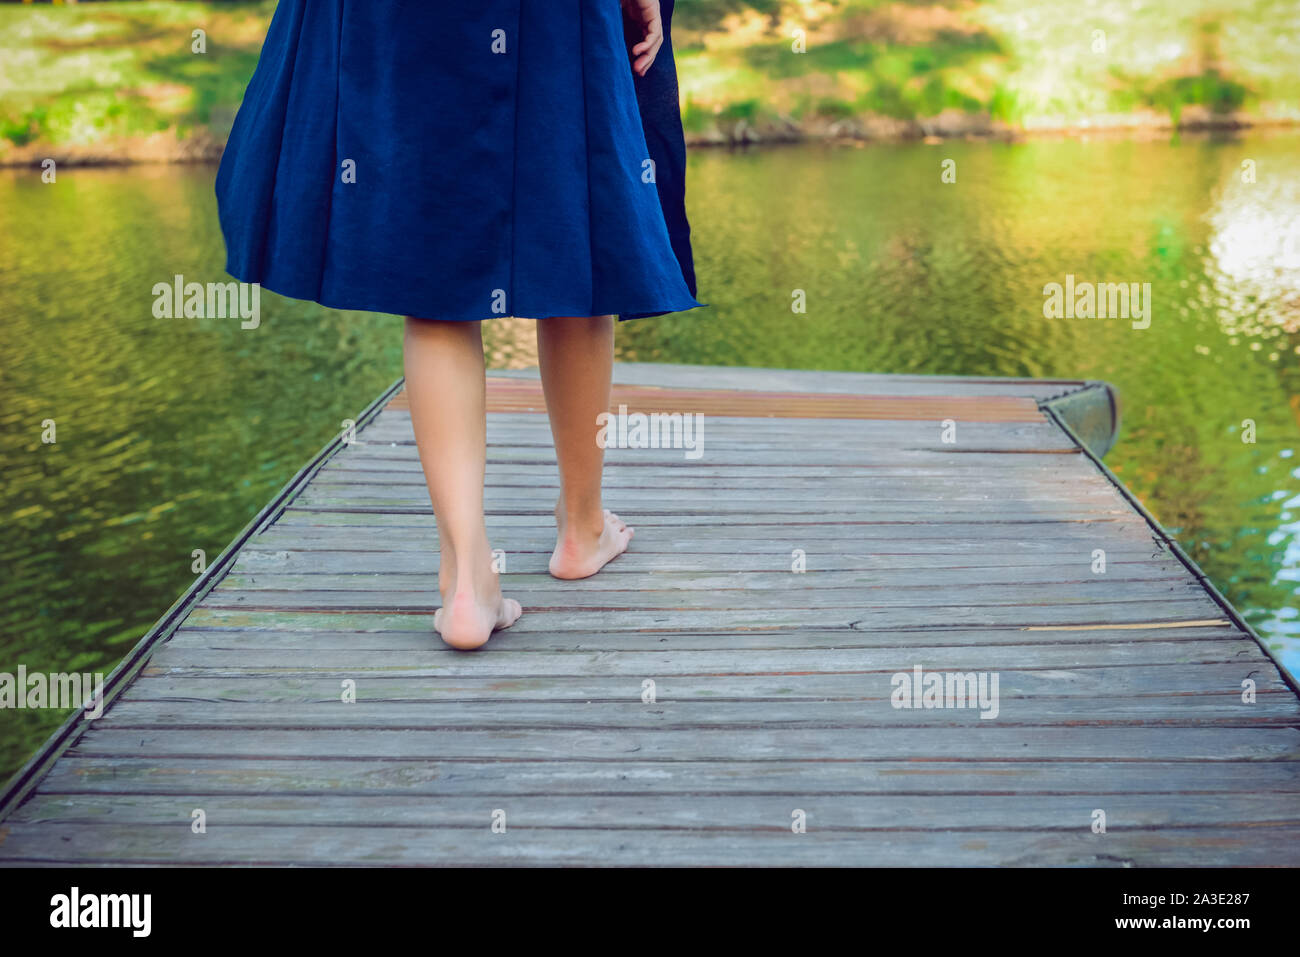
[
  {"x": 478, "y": 581},
  {"x": 580, "y": 521},
  {"x": 583, "y": 531}
]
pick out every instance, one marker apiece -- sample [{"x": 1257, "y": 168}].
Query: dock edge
[
  {"x": 1083, "y": 414},
  {"x": 25, "y": 779}
]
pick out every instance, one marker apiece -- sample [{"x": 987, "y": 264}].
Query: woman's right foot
[
  {"x": 465, "y": 621},
  {"x": 580, "y": 554}
]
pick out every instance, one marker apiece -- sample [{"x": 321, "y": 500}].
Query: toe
[{"x": 512, "y": 611}]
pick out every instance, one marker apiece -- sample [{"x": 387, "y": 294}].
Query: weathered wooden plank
[
  {"x": 683, "y": 661},
  {"x": 1125, "y": 561},
  {"x": 374, "y": 463},
  {"x": 798, "y": 592},
  {"x": 1223, "y": 710},
  {"x": 150, "y": 844},
  {"x": 806, "y": 640},
  {"x": 1088, "y": 681},
  {"x": 520, "y": 395},
  {"x": 839, "y": 410},
  {"x": 671, "y": 375},
  {"x": 395, "y": 423},
  {"x": 343, "y": 576},
  {"x": 1005, "y": 538},
  {"x": 876, "y": 439},
  {"x": 983, "y": 740},
  {"x": 365, "y": 774},
  {"x": 1039, "y": 479},
  {"x": 753, "y": 457},
  {"x": 1012, "y": 452},
  {"x": 863, "y": 482},
  {"x": 666, "y": 510},
  {"x": 994, "y": 522},
  {"x": 527, "y": 395},
  {"x": 860, "y": 501},
  {"x": 361, "y": 622},
  {"x": 1036, "y": 441},
  {"x": 541, "y": 487},
  {"x": 843, "y": 412},
  {"x": 696, "y": 812},
  {"x": 772, "y": 523},
  {"x": 732, "y": 620},
  {"x": 860, "y": 453},
  {"x": 663, "y": 513},
  {"x": 391, "y": 426}
]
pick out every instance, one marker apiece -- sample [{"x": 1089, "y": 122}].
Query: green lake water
[{"x": 172, "y": 433}]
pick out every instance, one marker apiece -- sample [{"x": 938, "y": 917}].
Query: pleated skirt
[{"x": 459, "y": 161}]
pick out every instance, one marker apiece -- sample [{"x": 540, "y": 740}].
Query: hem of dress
[
  {"x": 628, "y": 317},
  {"x": 637, "y": 311}
]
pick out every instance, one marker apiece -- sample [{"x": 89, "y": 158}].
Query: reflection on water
[
  {"x": 172, "y": 433},
  {"x": 1254, "y": 256},
  {"x": 1252, "y": 289}
]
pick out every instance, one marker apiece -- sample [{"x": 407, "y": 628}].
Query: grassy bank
[
  {"x": 122, "y": 81},
  {"x": 883, "y": 69}
]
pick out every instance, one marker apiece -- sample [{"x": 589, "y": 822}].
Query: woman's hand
[{"x": 645, "y": 14}]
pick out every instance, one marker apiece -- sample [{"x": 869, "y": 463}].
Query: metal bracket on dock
[{"x": 1092, "y": 413}]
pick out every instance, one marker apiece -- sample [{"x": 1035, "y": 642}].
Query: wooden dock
[{"x": 727, "y": 681}]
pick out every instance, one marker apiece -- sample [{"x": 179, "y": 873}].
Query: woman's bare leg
[
  {"x": 576, "y": 356},
  {"x": 447, "y": 393}
]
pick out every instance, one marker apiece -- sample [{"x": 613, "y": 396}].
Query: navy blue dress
[{"x": 459, "y": 161}]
